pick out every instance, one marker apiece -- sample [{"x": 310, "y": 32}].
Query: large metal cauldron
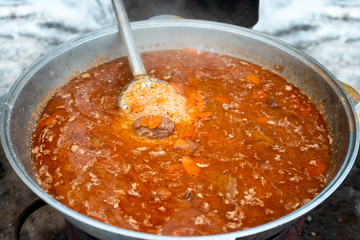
[{"x": 22, "y": 103}]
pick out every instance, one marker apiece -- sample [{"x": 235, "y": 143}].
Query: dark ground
[{"x": 337, "y": 218}]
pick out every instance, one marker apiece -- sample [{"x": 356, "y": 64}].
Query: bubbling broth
[{"x": 252, "y": 147}]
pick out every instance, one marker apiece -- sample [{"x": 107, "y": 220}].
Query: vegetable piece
[
  {"x": 255, "y": 79},
  {"x": 154, "y": 121},
  {"x": 200, "y": 162},
  {"x": 162, "y": 193},
  {"x": 264, "y": 119},
  {"x": 160, "y": 100},
  {"x": 137, "y": 108},
  {"x": 258, "y": 136},
  {"x": 145, "y": 122},
  {"x": 190, "y": 166},
  {"x": 226, "y": 183},
  {"x": 222, "y": 99},
  {"x": 85, "y": 75},
  {"x": 203, "y": 114},
  {"x": 315, "y": 168},
  {"x": 191, "y": 52},
  {"x": 181, "y": 144}
]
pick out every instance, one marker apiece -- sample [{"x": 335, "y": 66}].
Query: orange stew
[{"x": 256, "y": 150}]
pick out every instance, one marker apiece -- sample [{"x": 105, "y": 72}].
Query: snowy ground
[
  {"x": 327, "y": 30},
  {"x": 30, "y": 28}
]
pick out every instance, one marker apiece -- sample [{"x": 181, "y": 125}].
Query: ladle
[{"x": 136, "y": 64}]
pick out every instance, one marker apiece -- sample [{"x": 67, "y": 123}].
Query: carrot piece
[
  {"x": 315, "y": 168},
  {"x": 188, "y": 133},
  {"x": 190, "y": 166},
  {"x": 255, "y": 79},
  {"x": 222, "y": 99},
  {"x": 137, "y": 108},
  {"x": 181, "y": 144},
  {"x": 154, "y": 121},
  {"x": 160, "y": 100},
  {"x": 145, "y": 122},
  {"x": 264, "y": 119},
  {"x": 50, "y": 120},
  {"x": 203, "y": 114},
  {"x": 191, "y": 52}
]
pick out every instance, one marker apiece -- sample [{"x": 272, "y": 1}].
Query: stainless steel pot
[{"x": 26, "y": 98}]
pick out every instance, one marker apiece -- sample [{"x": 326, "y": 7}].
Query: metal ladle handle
[{"x": 137, "y": 66}]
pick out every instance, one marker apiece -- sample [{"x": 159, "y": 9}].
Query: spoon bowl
[{"x": 141, "y": 77}]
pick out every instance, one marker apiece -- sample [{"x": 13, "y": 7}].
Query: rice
[{"x": 156, "y": 99}]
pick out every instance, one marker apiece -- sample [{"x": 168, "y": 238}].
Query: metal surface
[
  {"x": 136, "y": 64},
  {"x": 35, "y": 85},
  {"x": 352, "y": 94},
  {"x": 3, "y": 102},
  {"x": 291, "y": 233},
  {"x": 23, "y": 216}
]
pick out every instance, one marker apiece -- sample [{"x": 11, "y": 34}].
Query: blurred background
[{"x": 327, "y": 30}]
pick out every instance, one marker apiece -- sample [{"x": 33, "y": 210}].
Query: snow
[
  {"x": 327, "y": 30},
  {"x": 28, "y": 29}
]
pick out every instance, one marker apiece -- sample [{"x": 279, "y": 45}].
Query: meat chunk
[
  {"x": 163, "y": 130},
  {"x": 272, "y": 103}
]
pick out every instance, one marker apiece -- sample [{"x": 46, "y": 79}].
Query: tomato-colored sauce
[{"x": 257, "y": 150}]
